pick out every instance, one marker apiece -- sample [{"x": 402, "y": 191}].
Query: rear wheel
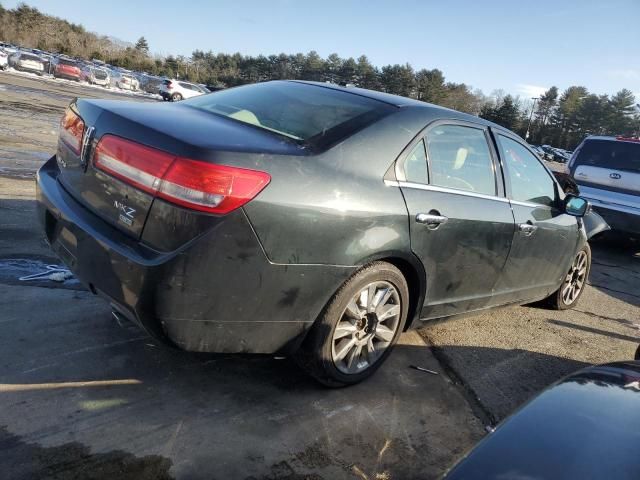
[
  {"x": 176, "y": 97},
  {"x": 358, "y": 328},
  {"x": 569, "y": 293}
]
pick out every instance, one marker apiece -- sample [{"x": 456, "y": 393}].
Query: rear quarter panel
[{"x": 334, "y": 208}]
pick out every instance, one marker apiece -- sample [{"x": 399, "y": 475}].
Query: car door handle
[
  {"x": 430, "y": 220},
  {"x": 527, "y": 229}
]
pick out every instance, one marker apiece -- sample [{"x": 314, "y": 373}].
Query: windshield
[
  {"x": 616, "y": 155},
  {"x": 302, "y": 112}
]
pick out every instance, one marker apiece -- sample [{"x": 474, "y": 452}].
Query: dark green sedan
[{"x": 306, "y": 219}]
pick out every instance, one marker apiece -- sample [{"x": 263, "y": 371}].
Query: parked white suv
[
  {"x": 607, "y": 171},
  {"x": 176, "y": 90}
]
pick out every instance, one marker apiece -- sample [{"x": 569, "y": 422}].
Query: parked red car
[{"x": 67, "y": 68}]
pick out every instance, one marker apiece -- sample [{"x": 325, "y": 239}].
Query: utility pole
[{"x": 533, "y": 107}]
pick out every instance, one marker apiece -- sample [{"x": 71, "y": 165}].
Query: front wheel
[
  {"x": 569, "y": 293},
  {"x": 176, "y": 97},
  {"x": 358, "y": 328}
]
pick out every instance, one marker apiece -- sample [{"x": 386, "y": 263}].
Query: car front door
[
  {"x": 545, "y": 238},
  {"x": 460, "y": 222}
]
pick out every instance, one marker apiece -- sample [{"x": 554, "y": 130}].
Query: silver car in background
[
  {"x": 607, "y": 171},
  {"x": 95, "y": 75},
  {"x": 125, "y": 80},
  {"x": 27, "y": 62},
  {"x": 4, "y": 59}
]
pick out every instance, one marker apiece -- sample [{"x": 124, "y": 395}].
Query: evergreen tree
[
  {"x": 142, "y": 46},
  {"x": 430, "y": 86}
]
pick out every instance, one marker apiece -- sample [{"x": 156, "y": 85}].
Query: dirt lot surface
[
  {"x": 30, "y": 111},
  {"x": 82, "y": 396},
  {"x": 504, "y": 357}
]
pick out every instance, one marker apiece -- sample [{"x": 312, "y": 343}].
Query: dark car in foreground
[
  {"x": 607, "y": 170},
  {"x": 306, "y": 219},
  {"x": 585, "y": 426}
]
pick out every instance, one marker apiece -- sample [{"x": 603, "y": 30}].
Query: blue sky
[{"x": 522, "y": 47}]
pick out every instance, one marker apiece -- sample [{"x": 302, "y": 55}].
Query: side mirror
[{"x": 575, "y": 206}]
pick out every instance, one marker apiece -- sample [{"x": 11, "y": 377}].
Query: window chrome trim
[
  {"x": 434, "y": 188},
  {"x": 531, "y": 204}
]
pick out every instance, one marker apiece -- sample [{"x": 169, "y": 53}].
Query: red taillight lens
[
  {"x": 189, "y": 183},
  {"x": 141, "y": 166},
  {"x": 71, "y": 130},
  {"x": 211, "y": 188}
]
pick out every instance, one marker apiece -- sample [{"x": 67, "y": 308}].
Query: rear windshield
[
  {"x": 304, "y": 113},
  {"x": 29, "y": 57},
  {"x": 62, "y": 61},
  {"x": 616, "y": 155}
]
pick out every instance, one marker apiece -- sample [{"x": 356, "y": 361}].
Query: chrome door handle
[
  {"x": 431, "y": 221},
  {"x": 527, "y": 229}
]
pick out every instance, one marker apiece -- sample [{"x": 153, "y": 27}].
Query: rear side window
[
  {"x": 308, "y": 114},
  {"x": 459, "y": 157},
  {"x": 415, "y": 166},
  {"x": 615, "y": 155},
  {"x": 529, "y": 180}
]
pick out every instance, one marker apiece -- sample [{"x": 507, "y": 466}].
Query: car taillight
[
  {"x": 189, "y": 183},
  {"x": 71, "y": 130}
]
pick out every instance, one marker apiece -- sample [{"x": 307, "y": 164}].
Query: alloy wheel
[
  {"x": 366, "y": 327},
  {"x": 575, "y": 279}
]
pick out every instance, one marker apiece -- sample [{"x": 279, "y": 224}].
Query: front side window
[
  {"x": 415, "y": 166},
  {"x": 460, "y": 158},
  {"x": 530, "y": 181}
]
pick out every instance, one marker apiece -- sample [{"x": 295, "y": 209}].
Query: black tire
[
  {"x": 176, "y": 97},
  {"x": 556, "y": 300},
  {"x": 315, "y": 355}
]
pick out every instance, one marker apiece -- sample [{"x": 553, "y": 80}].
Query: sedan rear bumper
[{"x": 217, "y": 293}]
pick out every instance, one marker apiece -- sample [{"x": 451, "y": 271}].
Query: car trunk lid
[{"x": 170, "y": 129}]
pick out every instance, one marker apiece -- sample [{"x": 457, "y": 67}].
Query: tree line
[{"x": 559, "y": 119}]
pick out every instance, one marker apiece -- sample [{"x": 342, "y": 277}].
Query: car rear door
[
  {"x": 461, "y": 224},
  {"x": 545, "y": 239}
]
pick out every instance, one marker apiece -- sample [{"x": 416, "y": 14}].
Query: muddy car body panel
[{"x": 255, "y": 279}]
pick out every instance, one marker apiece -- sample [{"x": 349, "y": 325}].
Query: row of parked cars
[
  {"x": 552, "y": 154},
  {"x": 95, "y": 72}
]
